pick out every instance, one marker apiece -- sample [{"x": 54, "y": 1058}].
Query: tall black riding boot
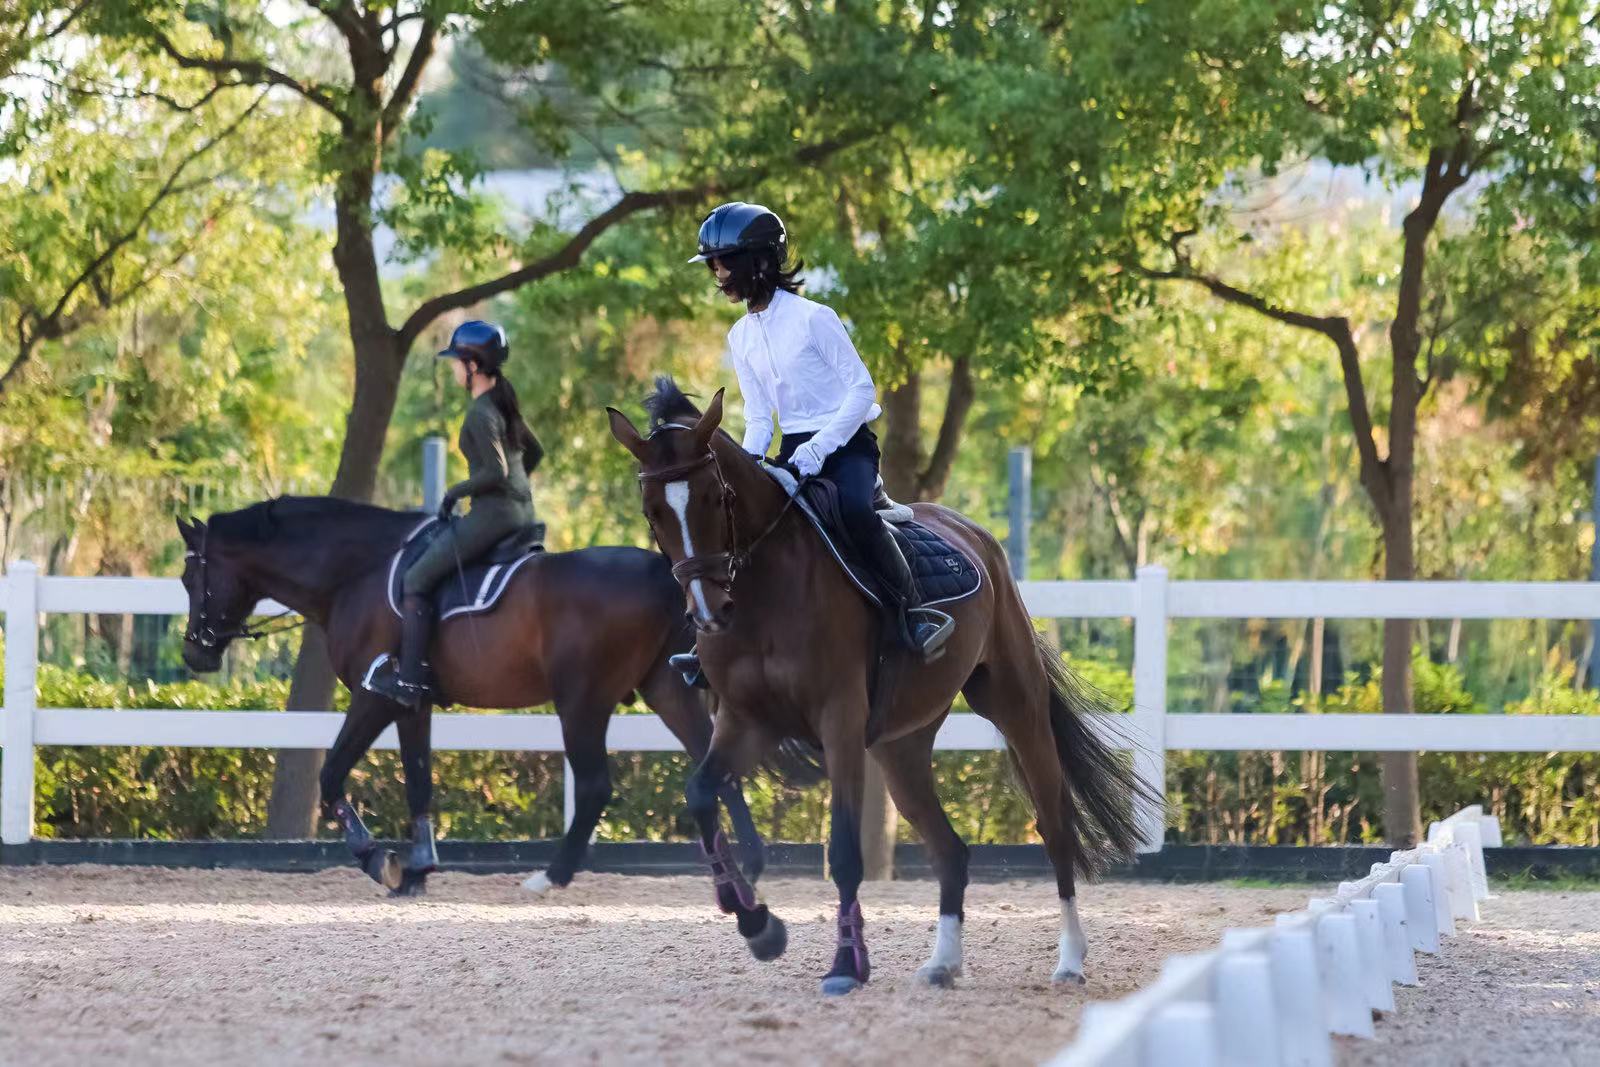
[
  {"x": 927, "y": 629},
  {"x": 412, "y": 685}
]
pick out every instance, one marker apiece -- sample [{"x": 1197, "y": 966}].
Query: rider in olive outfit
[{"x": 501, "y": 452}]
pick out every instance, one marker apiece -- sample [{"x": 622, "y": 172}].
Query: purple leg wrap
[
  {"x": 853, "y": 936},
  {"x": 733, "y": 892}
]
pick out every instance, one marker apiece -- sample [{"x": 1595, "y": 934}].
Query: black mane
[
  {"x": 265, "y": 521},
  {"x": 669, "y": 404}
]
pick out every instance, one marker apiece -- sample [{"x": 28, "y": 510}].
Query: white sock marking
[
  {"x": 1074, "y": 946},
  {"x": 947, "y": 945}
]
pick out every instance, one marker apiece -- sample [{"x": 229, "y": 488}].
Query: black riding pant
[{"x": 854, "y": 469}]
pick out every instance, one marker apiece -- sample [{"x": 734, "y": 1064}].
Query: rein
[{"x": 205, "y": 634}]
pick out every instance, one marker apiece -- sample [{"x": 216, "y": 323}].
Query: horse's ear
[
  {"x": 625, "y": 433},
  {"x": 188, "y": 530},
  {"x": 709, "y": 421}
]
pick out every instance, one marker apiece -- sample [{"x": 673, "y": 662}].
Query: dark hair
[
  {"x": 755, "y": 276},
  {"x": 504, "y": 397}
]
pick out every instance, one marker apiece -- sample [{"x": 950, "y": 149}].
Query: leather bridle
[
  {"x": 205, "y": 633},
  {"x": 718, "y": 568}
]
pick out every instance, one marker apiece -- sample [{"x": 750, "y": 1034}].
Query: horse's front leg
[
  {"x": 366, "y": 719},
  {"x": 844, "y": 748},
  {"x": 733, "y": 751},
  {"x": 416, "y": 761}
]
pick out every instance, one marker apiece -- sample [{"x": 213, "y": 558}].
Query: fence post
[
  {"x": 433, "y": 469},
  {"x": 22, "y": 678},
  {"x": 1019, "y": 480},
  {"x": 569, "y": 794},
  {"x": 1150, "y": 694}
]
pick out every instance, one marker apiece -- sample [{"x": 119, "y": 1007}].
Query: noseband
[{"x": 718, "y": 568}]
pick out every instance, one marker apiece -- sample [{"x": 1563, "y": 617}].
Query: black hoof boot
[
  {"x": 769, "y": 942},
  {"x": 411, "y": 884},
  {"x": 424, "y": 856},
  {"x": 383, "y": 867},
  {"x": 688, "y": 665},
  {"x": 380, "y": 864}
]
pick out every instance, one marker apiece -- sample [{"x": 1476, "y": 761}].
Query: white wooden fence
[
  {"x": 1151, "y": 602},
  {"x": 1275, "y": 996}
]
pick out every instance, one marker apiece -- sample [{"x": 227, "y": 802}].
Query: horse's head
[
  {"x": 687, "y": 500},
  {"x": 220, "y": 597}
]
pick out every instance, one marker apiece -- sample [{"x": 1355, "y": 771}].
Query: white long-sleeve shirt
[{"x": 794, "y": 359}]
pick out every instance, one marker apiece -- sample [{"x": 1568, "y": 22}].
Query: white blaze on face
[{"x": 678, "y": 500}]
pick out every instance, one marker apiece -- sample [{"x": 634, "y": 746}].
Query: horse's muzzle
[{"x": 200, "y": 659}]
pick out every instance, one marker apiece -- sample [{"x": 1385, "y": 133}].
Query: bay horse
[
  {"x": 788, "y": 644},
  {"x": 584, "y": 629}
]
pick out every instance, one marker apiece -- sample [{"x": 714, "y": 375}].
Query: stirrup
[
  {"x": 688, "y": 665},
  {"x": 384, "y": 679},
  {"x": 930, "y": 629}
]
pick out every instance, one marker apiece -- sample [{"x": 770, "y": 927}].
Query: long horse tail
[{"x": 1105, "y": 797}]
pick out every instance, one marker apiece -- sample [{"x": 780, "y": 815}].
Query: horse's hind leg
[
  {"x": 908, "y": 768},
  {"x": 684, "y": 713},
  {"x": 416, "y": 761},
  {"x": 1017, "y": 700},
  {"x": 366, "y": 719},
  {"x": 583, "y": 732}
]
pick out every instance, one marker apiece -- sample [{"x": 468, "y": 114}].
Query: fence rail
[{"x": 1151, "y": 602}]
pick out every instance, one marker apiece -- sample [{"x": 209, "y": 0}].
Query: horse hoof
[
  {"x": 411, "y": 884},
  {"x": 939, "y": 977},
  {"x": 538, "y": 883},
  {"x": 383, "y": 867},
  {"x": 1065, "y": 977},
  {"x": 771, "y": 941},
  {"x": 839, "y": 985}
]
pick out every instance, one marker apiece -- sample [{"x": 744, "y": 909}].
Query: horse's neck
[
  {"x": 759, "y": 498},
  {"x": 309, "y": 567}
]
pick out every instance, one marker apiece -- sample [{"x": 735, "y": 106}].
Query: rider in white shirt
[{"x": 794, "y": 360}]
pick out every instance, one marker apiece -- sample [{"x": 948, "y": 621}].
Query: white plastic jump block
[
  {"x": 1186, "y": 1033},
  {"x": 1375, "y": 976},
  {"x": 1303, "y": 1039},
  {"x": 1391, "y": 901},
  {"x": 1443, "y": 912},
  {"x": 1247, "y": 1019},
  {"x": 1343, "y": 985},
  {"x": 1422, "y": 915}
]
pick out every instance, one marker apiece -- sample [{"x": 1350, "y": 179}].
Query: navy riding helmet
[
  {"x": 741, "y": 227},
  {"x": 482, "y": 342}
]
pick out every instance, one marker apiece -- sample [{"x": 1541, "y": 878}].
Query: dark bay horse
[
  {"x": 584, "y": 629},
  {"x": 787, "y": 643}
]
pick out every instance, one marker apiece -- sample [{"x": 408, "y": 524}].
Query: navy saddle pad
[{"x": 942, "y": 572}]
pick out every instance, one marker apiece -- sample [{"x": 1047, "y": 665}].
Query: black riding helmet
[
  {"x": 741, "y": 227},
  {"x": 482, "y": 342}
]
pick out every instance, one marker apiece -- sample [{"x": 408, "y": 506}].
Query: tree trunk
[
  {"x": 880, "y": 825},
  {"x": 292, "y": 811},
  {"x": 1402, "y": 818}
]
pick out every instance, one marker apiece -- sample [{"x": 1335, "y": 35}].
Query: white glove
[{"x": 808, "y": 460}]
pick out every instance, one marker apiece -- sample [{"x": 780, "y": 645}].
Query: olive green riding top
[{"x": 493, "y": 477}]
